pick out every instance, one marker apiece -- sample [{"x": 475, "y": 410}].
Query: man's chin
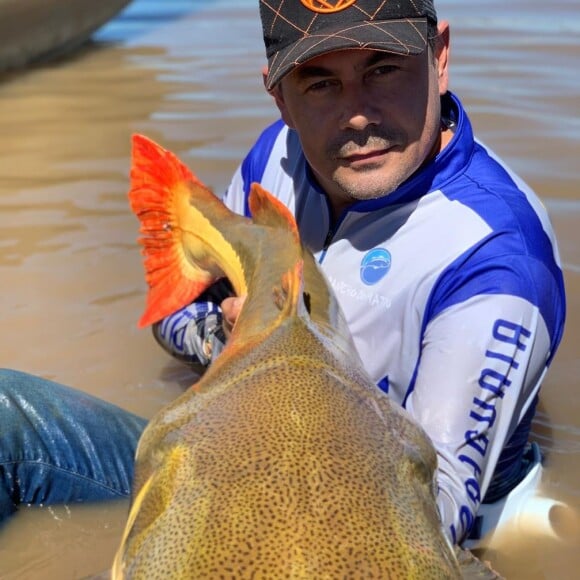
[{"x": 365, "y": 185}]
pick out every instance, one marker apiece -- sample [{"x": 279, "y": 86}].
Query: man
[{"x": 444, "y": 262}]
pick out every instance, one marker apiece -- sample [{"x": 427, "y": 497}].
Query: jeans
[{"x": 59, "y": 445}]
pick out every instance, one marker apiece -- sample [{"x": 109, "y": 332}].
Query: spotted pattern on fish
[
  {"x": 285, "y": 460},
  {"x": 292, "y": 478}
]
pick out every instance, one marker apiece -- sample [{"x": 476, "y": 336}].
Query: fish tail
[
  {"x": 190, "y": 240},
  {"x": 182, "y": 225}
]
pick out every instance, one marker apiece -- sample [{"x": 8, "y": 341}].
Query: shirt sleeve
[
  {"x": 194, "y": 334},
  {"x": 481, "y": 367}
]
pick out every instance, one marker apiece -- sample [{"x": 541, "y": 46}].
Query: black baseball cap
[{"x": 297, "y": 30}]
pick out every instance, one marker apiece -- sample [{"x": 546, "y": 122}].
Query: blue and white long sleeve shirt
[{"x": 451, "y": 286}]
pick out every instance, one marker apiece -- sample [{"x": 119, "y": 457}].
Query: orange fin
[
  {"x": 161, "y": 189},
  {"x": 267, "y": 210}
]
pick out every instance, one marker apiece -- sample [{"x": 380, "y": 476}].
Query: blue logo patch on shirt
[{"x": 375, "y": 265}]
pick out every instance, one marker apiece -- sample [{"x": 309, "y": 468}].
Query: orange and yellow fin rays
[
  {"x": 160, "y": 186},
  {"x": 269, "y": 211},
  {"x": 289, "y": 296},
  {"x": 157, "y": 168},
  {"x": 184, "y": 251}
]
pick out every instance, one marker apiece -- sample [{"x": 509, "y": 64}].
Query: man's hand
[{"x": 230, "y": 311}]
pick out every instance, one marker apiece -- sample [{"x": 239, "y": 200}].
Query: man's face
[{"x": 367, "y": 120}]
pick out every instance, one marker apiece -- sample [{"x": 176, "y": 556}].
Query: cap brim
[{"x": 406, "y": 36}]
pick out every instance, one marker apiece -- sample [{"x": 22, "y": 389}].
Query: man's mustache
[{"x": 351, "y": 142}]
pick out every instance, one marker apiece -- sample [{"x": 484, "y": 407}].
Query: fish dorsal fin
[
  {"x": 166, "y": 196},
  {"x": 269, "y": 211}
]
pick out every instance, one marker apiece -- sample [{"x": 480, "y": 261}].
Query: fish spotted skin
[{"x": 284, "y": 460}]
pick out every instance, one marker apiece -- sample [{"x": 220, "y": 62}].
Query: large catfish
[{"x": 284, "y": 460}]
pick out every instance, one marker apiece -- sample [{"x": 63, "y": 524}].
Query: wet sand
[{"x": 72, "y": 281}]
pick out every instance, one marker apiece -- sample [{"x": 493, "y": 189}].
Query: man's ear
[
  {"x": 442, "y": 55},
  {"x": 265, "y": 75},
  {"x": 277, "y": 94}
]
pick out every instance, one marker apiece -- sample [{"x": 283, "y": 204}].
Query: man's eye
[
  {"x": 320, "y": 85},
  {"x": 384, "y": 69}
]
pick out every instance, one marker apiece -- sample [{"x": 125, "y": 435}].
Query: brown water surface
[{"x": 188, "y": 74}]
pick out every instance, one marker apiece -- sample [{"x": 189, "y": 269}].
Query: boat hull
[{"x": 38, "y": 30}]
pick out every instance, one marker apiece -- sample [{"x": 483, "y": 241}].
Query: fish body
[{"x": 284, "y": 460}]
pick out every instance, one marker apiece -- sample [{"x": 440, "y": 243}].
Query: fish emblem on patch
[{"x": 375, "y": 266}]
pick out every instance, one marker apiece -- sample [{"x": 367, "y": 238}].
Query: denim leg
[{"x": 59, "y": 445}]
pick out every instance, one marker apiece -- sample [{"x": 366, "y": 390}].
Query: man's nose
[{"x": 358, "y": 109}]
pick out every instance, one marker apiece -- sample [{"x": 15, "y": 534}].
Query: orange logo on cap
[{"x": 327, "y": 6}]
